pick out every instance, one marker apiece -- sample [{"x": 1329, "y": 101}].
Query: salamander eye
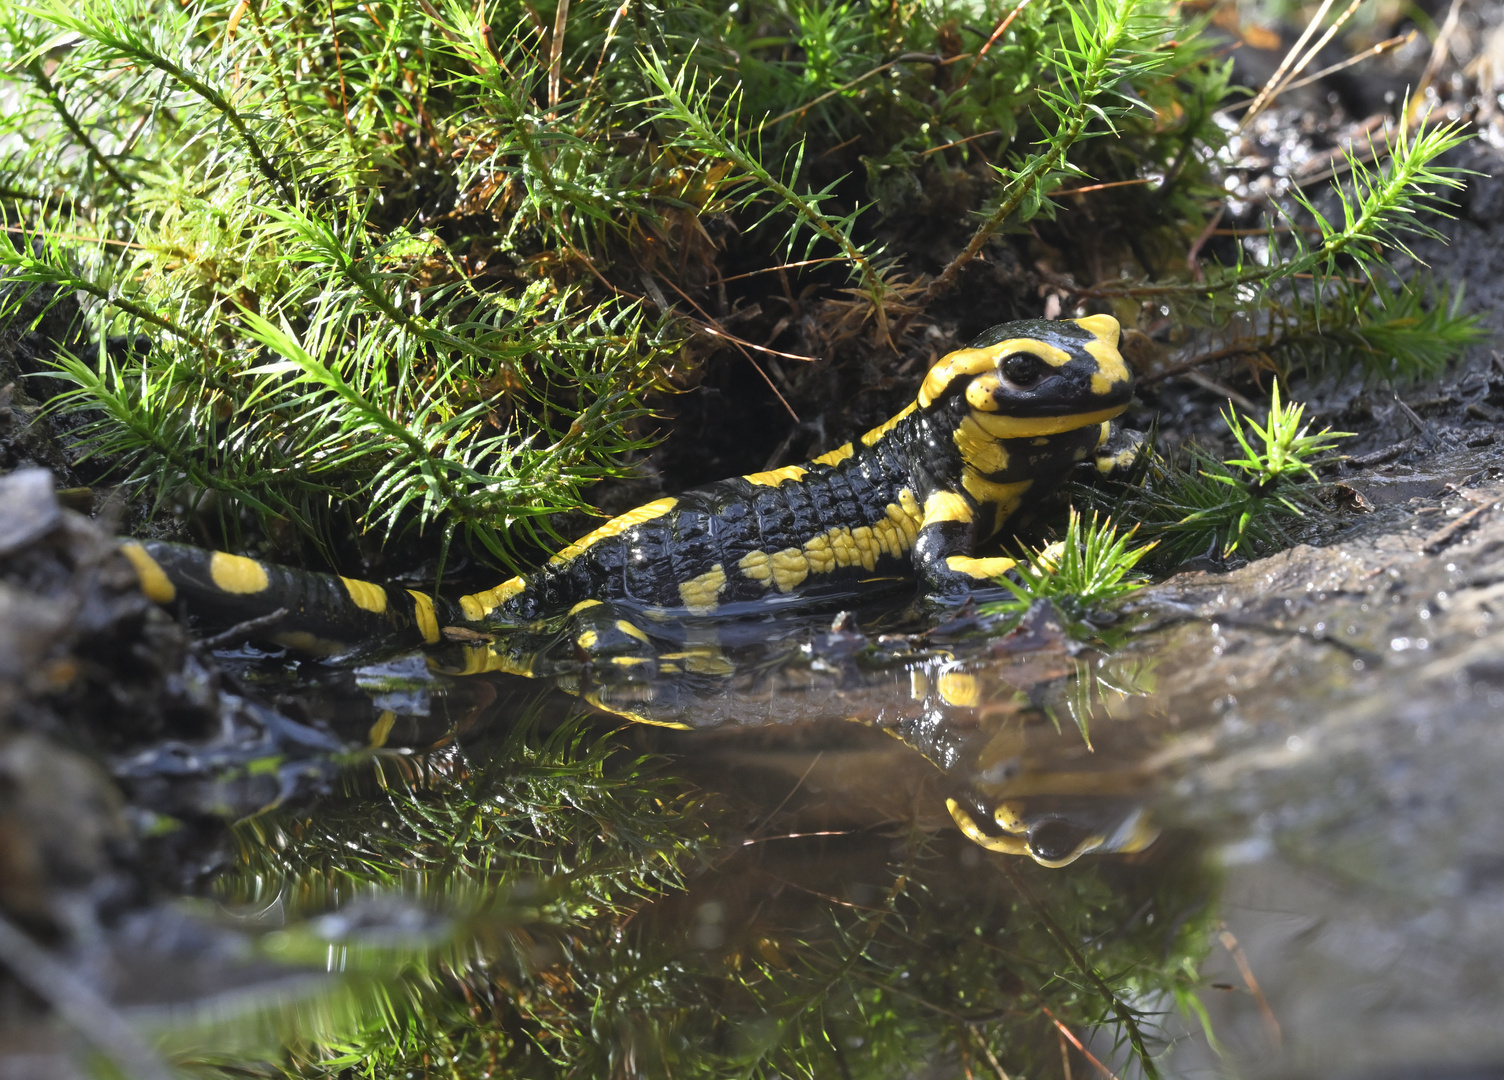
[{"x": 1023, "y": 370}]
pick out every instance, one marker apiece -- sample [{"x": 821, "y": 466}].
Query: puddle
[{"x": 1259, "y": 837}]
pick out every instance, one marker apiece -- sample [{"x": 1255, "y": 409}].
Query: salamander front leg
[
  {"x": 1118, "y": 450},
  {"x": 942, "y": 554}
]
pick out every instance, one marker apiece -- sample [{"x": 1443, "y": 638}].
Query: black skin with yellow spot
[
  {"x": 721, "y": 525},
  {"x": 320, "y": 615},
  {"x": 995, "y": 428}
]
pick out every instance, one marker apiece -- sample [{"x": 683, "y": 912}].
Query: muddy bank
[{"x": 1343, "y": 708}]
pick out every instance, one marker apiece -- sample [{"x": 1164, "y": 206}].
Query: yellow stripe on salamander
[
  {"x": 1008, "y": 845},
  {"x": 428, "y": 621},
  {"x": 836, "y": 456},
  {"x": 381, "y": 728},
  {"x": 1111, "y": 371},
  {"x": 774, "y": 477},
  {"x": 365, "y": 595},
  {"x": 155, "y": 584},
  {"x": 978, "y": 449},
  {"x": 481, "y": 604},
  {"x": 598, "y": 699},
  {"x": 888, "y": 425},
  {"x": 959, "y": 688},
  {"x": 615, "y": 527},
  {"x": 1028, "y": 427},
  {"x": 947, "y": 506},
  {"x": 701, "y": 595},
  {"x": 982, "y": 569},
  {"x": 790, "y": 568},
  {"x": 237, "y": 574},
  {"x": 702, "y": 661},
  {"x": 632, "y": 631}
]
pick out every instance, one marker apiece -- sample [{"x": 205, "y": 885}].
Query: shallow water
[{"x": 1258, "y": 837}]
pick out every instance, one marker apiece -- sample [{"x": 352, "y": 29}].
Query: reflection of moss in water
[
  {"x": 610, "y": 924},
  {"x": 1102, "y": 682}
]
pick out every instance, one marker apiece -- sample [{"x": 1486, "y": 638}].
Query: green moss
[{"x": 405, "y": 264}]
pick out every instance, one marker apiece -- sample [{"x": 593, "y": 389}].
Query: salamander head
[
  {"x": 1056, "y": 830},
  {"x": 1034, "y": 378}
]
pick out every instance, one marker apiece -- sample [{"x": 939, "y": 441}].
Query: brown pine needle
[
  {"x": 992, "y": 1060},
  {"x": 610, "y": 34},
  {"x": 1102, "y": 187},
  {"x": 785, "y": 266},
  {"x": 1387, "y": 45},
  {"x": 556, "y": 54},
  {"x": 1002, "y": 28},
  {"x": 1261, "y": 101},
  {"x": 22, "y": 230},
  {"x": 1311, "y": 53},
  {"x": 959, "y": 142},
  {"x": 1065, "y": 1032},
  {"x": 713, "y": 328},
  {"x": 1440, "y": 50},
  {"x": 838, "y": 146},
  {"x": 1271, "y": 1022}
]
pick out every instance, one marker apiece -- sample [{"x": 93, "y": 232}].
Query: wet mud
[{"x": 1350, "y": 699}]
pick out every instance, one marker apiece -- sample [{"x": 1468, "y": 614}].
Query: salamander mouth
[
  {"x": 1062, "y": 393},
  {"x": 1091, "y": 408}
]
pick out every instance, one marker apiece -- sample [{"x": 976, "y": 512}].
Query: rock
[
  {"x": 28, "y": 508},
  {"x": 61, "y": 831}
]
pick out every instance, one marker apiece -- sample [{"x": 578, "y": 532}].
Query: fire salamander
[{"x": 994, "y": 427}]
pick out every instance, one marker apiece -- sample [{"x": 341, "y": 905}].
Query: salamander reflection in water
[
  {"x": 977, "y": 710},
  {"x": 994, "y": 428}
]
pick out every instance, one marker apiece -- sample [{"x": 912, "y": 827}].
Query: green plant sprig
[
  {"x": 1198, "y": 504},
  {"x": 708, "y": 128},
  {"x": 1381, "y": 211},
  {"x": 1389, "y": 332},
  {"x": 1092, "y": 566},
  {"x": 119, "y": 38},
  {"x": 1284, "y": 451}
]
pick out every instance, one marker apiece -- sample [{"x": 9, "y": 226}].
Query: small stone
[{"x": 28, "y": 509}]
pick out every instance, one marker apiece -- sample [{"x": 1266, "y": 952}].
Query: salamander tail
[{"x": 298, "y": 609}]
